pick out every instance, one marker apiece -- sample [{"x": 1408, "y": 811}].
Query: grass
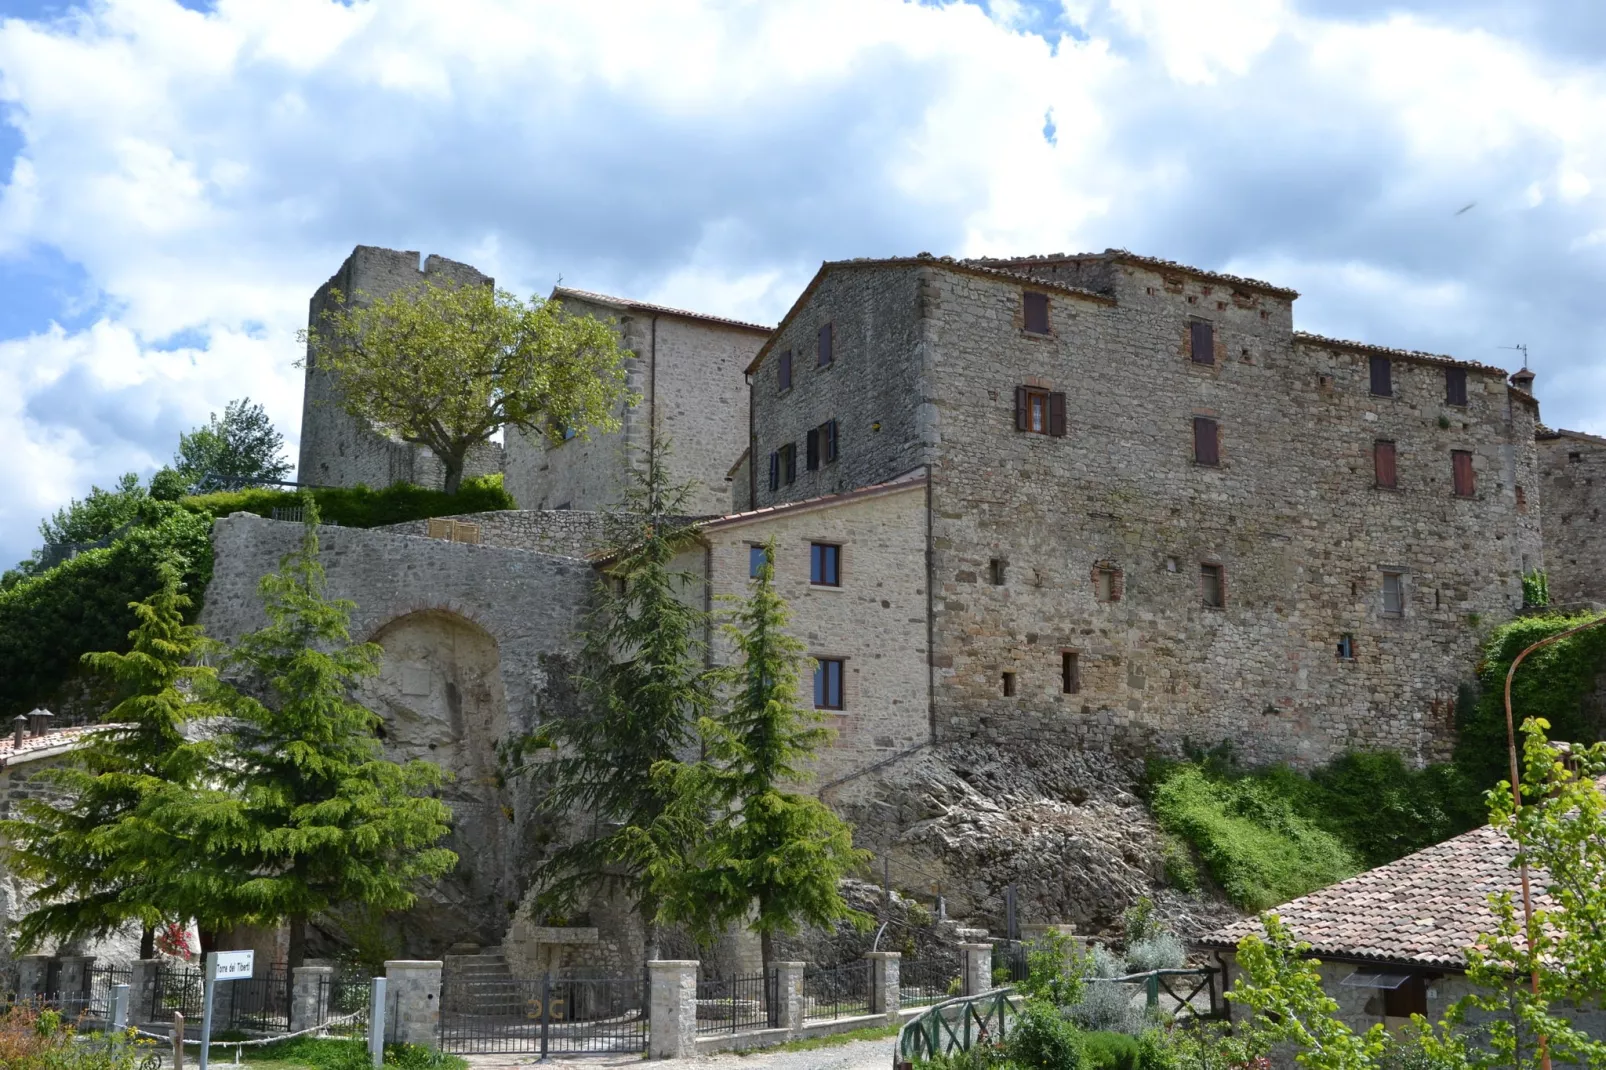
[
  {"x": 835, "y": 1040},
  {"x": 329, "y": 1053}
]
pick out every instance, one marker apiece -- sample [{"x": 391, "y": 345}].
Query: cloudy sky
[{"x": 180, "y": 176}]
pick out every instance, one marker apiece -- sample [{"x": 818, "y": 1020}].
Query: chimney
[
  {"x": 20, "y": 726},
  {"x": 1523, "y": 380},
  {"x": 39, "y": 721}
]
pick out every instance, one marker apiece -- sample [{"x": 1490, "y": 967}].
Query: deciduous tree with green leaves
[
  {"x": 644, "y": 686},
  {"x": 303, "y": 813},
  {"x": 772, "y": 857},
  {"x": 445, "y": 365},
  {"x": 240, "y": 449},
  {"x": 97, "y": 861}
]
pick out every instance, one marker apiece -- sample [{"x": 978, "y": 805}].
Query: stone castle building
[{"x": 1099, "y": 503}]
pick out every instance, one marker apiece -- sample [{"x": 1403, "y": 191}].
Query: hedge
[{"x": 362, "y": 507}]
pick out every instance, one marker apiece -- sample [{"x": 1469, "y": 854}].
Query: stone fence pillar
[
  {"x": 72, "y": 987},
  {"x": 33, "y": 977},
  {"x": 886, "y": 992},
  {"x": 978, "y": 967},
  {"x": 789, "y": 996},
  {"x": 142, "y": 990},
  {"x": 413, "y": 990},
  {"x": 309, "y": 996},
  {"x": 672, "y": 1032}
]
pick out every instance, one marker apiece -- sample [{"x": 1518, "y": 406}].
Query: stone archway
[{"x": 441, "y": 697}]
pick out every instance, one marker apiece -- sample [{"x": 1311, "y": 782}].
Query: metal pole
[
  {"x": 1010, "y": 929},
  {"x": 119, "y": 1008},
  {"x": 886, "y": 880},
  {"x": 546, "y": 1011},
  {"x": 376, "y": 1020},
  {"x": 208, "y": 983}
]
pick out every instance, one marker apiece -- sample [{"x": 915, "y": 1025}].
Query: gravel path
[{"x": 857, "y": 1055}]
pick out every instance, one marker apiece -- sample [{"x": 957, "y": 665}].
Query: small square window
[
  {"x": 1382, "y": 377},
  {"x": 756, "y": 557},
  {"x": 1346, "y": 647},
  {"x": 825, "y": 564},
  {"x": 995, "y": 571},
  {"x": 1393, "y": 594},
  {"x": 1009, "y": 685},
  {"x": 1212, "y": 588},
  {"x": 1201, "y": 342},
  {"x": 1206, "y": 442},
  {"x": 1070, "y": 672},
  {"x": 827, "y": 351},
  {"x": 828, "y": 684},
  {"x": 1455, "y": 386},
  {"x": 783, "y": 371},
  {"x": 1035, "y": 310},
  {"x": 1407, "y": 999}
]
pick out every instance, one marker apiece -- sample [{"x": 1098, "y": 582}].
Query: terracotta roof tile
[
  {"x": 1422, "y": 909},
  {"x": 62, "y": 737},
  {"x": 1126, "y": 256},
  {"x": 560, "y": 292},
  {"x": 1415, "y": 355}
]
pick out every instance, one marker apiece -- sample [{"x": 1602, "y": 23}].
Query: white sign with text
[{"x": 235, "y": 965}]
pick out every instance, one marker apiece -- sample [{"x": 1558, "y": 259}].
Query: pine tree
[
  {"x": 98, "y": 864},
  {"x": 644, "y": 685},
  {"x": 303, "y": 813},
  {"x": 772, "y": 858}
]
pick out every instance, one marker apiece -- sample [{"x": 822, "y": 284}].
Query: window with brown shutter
[
  {"x": 1383, "y": 462},
  {"x": 1035, "y": 308},
  {"x": 1201, "y": 342},
  {"x": 1382, "y": 377},
  {"x": 1056, "y": 414},
  {"x": 1206, "y": 441},
  {"x": 1032, "y": 408},
  {"x": 783, "y": 371},
  {"x": 828, "y": 441},
  {"x": 812, "y": 449},
  {"x": 775, "y": 470},
  {"x": 1461, "y": 470},
  {"x": 789, "y": 463},
  {"x": 1455, "y": 386},
  {"x": 826, "y": 355}
]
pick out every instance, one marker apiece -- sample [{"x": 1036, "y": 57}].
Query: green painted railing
[
  {"x": 956, "y": 1024},
  {"x": 1192, "y": 983}
]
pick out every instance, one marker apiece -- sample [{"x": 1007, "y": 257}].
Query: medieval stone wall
[
  {"x": 337, "y": 449},
  {"x": 565, "y": 532},
  {"x": 477, "y": 642},
  {"x": 1572, "y": 497}
]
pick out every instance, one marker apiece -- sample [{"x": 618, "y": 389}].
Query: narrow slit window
[
  {"x": 775, "y": 470},
  {"x": 1383, "y": 463},
  {"x": 1201, "y": 342},
  {"x": 1382, "y": 377},
  {"x": 828, "y": 441},
  {"x": 1461, "y": 473},
  {"x": 811, "y": 449},
  {"x": 1107, "y": 583},
  {"x": 828, "y": 684},
  {"x": 1035, "y": 310},
  {"x": 1522, "y": 500},
  {"x": 1070, "y": 672},
  {"x": 995, "y": 571},
  {"x": 783, "y": 371},
  {"x": 1346, "y": 647},
  {"x": 789, "y": 463},
  {"x": 1455, "y": 386},
  {"x": 1393, "y": 594},
  {"x": 825, "y": 564},
  {"x": 1212, "y": 588},
  {"x": 1009, "y": 685},
  {"x": 1206, "y": 442},
  {"x": 827, "y": 341}
]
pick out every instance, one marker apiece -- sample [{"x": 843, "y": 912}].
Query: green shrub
[
  {"x": 1255, "y": 842},
  {"x": 1382, "y": 809},
  {"x": 49, "y": 621},
  {"x": 362, "y": 507},
  {"x": 1180, "y": 871},
  {"x": 1110, "y": 1051},
  {"x": 1155, "y": 1052},
  {"x": 1042, "y": 1039}
]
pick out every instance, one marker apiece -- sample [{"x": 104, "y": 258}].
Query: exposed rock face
[{"x": 1067, "y": 829}]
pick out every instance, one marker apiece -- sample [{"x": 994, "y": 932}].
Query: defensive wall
[{"x": 1572, "y": 495}]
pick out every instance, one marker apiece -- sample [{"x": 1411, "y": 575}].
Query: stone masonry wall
[
  {"x": 1573, "y": 494},
  {"x": 872, "y": 388},
  {"x": 1291, "y": 515},
  {"x": 875, "y": 621},
  {"x": 565, "y": 532},
  {"x": 700, "y": 406},
  {"x": 337, "y": 449},
  {"x": 477, "y": 640}
]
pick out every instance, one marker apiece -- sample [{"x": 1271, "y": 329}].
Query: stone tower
[{"x": 337, "y": 449}]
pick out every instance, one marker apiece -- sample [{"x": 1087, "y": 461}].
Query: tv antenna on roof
[{"x": 1522, "y": 348}]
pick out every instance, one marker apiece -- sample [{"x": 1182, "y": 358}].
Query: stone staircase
[{"x": 478, "y": 981}]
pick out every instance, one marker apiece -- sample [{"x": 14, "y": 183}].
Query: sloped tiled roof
[
  {"x": 561, "y": 292},
  {"x": 1421, "y": 910},
  {"x": 1126, "y": 256},
  {"x": 1417, "y": 355},
  {"x": 1578, "y": 436},
  {"x": 57, "y": 742}
]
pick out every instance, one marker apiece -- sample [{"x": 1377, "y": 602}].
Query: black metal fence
[
  {"x": 177, "y": 990},
  {"x": 256, "y": 1004},
  {"x": 102, "y": 979},
  {"x": 1010, "y": 964},
  {"x": 733, "y": 1004},
  {"x": 343, "y": 1002},
  {"x": 921, "y": 983},
  {"x": 556, "y": 1015},
  {"x": 837, "y": 991}
]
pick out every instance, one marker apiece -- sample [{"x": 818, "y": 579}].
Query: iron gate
[{"x": 556, "y": 1015}]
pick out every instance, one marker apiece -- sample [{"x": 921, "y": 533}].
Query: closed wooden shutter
[
  {"x": 828, "y": 431},
  {"x": 1461, "y": 467},
  {"x": 1201, "y": 342},
  {"x": 826, "y": 355},
  {"x": 1036, "y": 312},
  {"x": 789, "y": 463},
  {"x": 1206, "y": 441},
  {"x": 1455, "y": 386},
  {"x": 1022, "y": 418},
  {"x": 813, "y": 448},
  {"x": 1382, "y": 377},
  {"x": 784, "y": 371},
  {"x": 1056, "y": 414},
  {"x": 1383, "y": 462},
  {"x": 775, "y": 471}
]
